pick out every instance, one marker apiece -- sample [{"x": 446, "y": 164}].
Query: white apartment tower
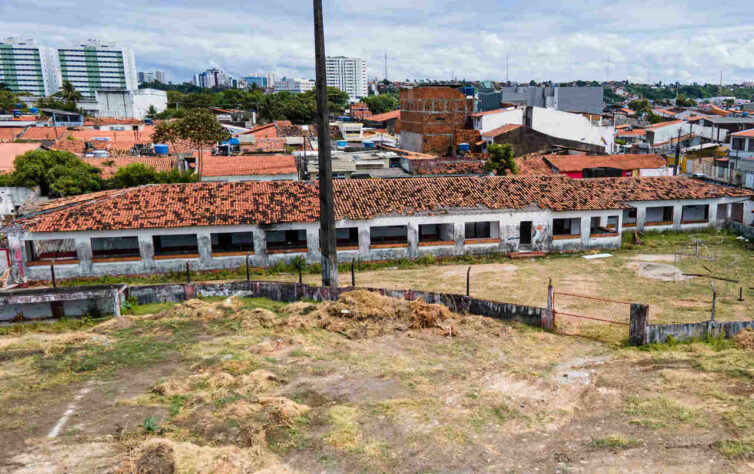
[
  {"x": 96, "y": 65},
  {"x": 348, "y": 75},
  {"x": 27, "y": 67}
]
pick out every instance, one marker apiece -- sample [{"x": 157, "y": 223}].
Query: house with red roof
[
  {"x": 583, "y": 166},
  {"x": 249, "y": 168}
]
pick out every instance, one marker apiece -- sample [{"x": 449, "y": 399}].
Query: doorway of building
[{"x": 525, "y": 235}]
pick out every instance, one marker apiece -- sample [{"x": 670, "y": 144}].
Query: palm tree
[
  {"x": 268, "y": 108},
  {"x": 68, "y": 93},
  {"x": 151, "y": 112}
]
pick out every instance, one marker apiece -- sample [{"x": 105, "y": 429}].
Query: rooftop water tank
[
  {"x": 160, "y": 149},
  {"x": 367, "y": 144},
  {"x": 148, "y": 121},
  {"x": 463, "y": 147},
  {"x": 100, "y": 153},
  {"x": 234, "y": 141},
  {"x": 341, "y": 143},
  {"x": 33, "y": 110}
]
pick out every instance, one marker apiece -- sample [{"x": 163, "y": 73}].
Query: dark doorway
[
  {"x": 57, "y": 309},
  {"x": 525, "y": 233}
]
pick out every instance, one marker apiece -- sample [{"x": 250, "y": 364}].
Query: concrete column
[
  {"x": 586, "y": 223},
  {"x": 677, "y": 214},
  {"x": 260, "y": 246},
  {"x": 364, "y": 242},
  {"x": 641, "y": 217},
  {"x": 501, "y": 235},
  {"x": 712, "y": 214},
  {"x": 84, "y": 254},
  {"x": 459, "y": 235},
  {"x": 204, "y": 242},
  {"x": 313, "y": 252},
  {"x": 638, "y": 325},
  {"x": 412, "y": 230},
  {"x": 16, "y": 249},
  {"x": 146, "y": 250},
  {"x": 116, "y": 303}
]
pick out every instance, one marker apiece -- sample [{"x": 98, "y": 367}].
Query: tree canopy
[
  {"x": 137, "y": 174},
  {"x": 379, "y": 104},
  {"x": 501, "y": 160}
]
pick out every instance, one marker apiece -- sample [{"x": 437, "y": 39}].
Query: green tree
[
  {"x": 152, "y": 112},
  {"x": 268, "y": 109},
  {"x": 57, "y": 173},
  {"x": 379, "y": 104},
  {"x": 199, "y": 127},
  {"x": 501, "y": 160},
  {"x": 138, "y": 174},
  {"x": 8, "y": 100},
  {"x": 68, "y": 93}
]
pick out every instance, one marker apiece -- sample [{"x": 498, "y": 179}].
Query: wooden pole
[
  {"x": 468, "y": 282},
  {"x": 188, "y": 273},
  {"x": 353, "y": 272},
  {"x": 326, "y": 200},
  {"x": 248, "y": 272},
  {"x": 52, "y": 273}
]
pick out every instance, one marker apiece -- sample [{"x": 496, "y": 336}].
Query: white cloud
[{"x": 687, "y": 40}]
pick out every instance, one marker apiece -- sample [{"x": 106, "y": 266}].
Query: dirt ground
[
  {"x": 650, "y": 275},
  {"x": 366, "y": 384}
]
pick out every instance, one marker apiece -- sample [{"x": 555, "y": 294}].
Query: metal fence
[{"x": 588, "y": 316}]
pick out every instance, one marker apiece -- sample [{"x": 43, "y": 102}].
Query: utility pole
[{"x": 326, "y": 200}]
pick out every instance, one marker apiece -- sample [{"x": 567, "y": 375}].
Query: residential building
[
  {"x": 294, "y": 86},
  {"x": 27, "y": 67},
  {"x": 742, "y": 144},
  {"x": 259, "y": 81},
  {"x": 431, "y": 117},
  {"x": 390, "y": 121},
  {"x": 567, "y": 99},
  {"x": 129, "y": 104},
  {"x": 150, "y": 228},
  {"x": 348, "y": 75},
  {"x": 212, "y": 78},
  {"x": 97, "y": 64},
  {"x": 586, "y": 166},
  {"x": 152, "y": 76}
]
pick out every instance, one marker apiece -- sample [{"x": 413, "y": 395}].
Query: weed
[
  {"x": 737, "y": 448},
  {"x": 614, "y": 441},
  {"x": 658, "y": 412},
  {"x": 152, "y": 425}
]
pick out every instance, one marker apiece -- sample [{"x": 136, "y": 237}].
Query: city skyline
[{"x": 645, "y": 42}]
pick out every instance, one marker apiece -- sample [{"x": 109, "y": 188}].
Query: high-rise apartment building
[
  {"x": 348, "y": 75},
  {"x": 28, "y": 67},
  {"x": 97, "y": 64},
  {"x": 212, "y": 78},
  {"x": 152, "y": 76},
  {"x": 294, "y": 86}
]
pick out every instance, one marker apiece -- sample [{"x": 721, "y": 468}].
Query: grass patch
[
  {"x": 737, "y": 448},
  {"x": 149, "y": 308},
  {"x": 59, "y": 326},
  {"x": 345, "y": 433},
  {"x": 614, "y": 441},
  {"x": 658, "y": 412}
]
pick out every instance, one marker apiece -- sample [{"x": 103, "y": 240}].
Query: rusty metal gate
[{"x": 588, "y": 316}]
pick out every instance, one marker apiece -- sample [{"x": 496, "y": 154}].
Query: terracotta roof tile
[
  {"x": 393, "y": 114},
  {"x": 269, "y": 202},
  {"x": 265, "y": 145},
  {"x": 663, "y": 124},
  {"x": 745, "y": 133},
  {"x": 9, "y": 152},
  {"x": 501, "y": 130},
  {"x": 565, "y": 163},
  {"x": 43, "y": 133},
  {"x": 248, "y": 165},
  {"x": 9, "y": 134}
]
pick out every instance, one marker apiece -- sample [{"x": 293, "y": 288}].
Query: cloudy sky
[{"x": 668, "y": 40}]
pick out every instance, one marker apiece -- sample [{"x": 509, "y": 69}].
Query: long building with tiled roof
[{"x": 215, "y": 225}]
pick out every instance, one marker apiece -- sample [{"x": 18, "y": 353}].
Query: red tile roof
[
  {"x": 265, "y": 145},
  {"x": 566, "y": 163},
  {"x": 262, "y": 131},
  {"x": 501, "y": 130},
  {"x": 9, "y": 134},
  {"x": 745, "y": 133},
  {"x": 663, "y": 124},
  {"x": 9, "y": 152},
  {"x": 637, "y": 132},
  {"x": 393, "y": 114},
  {"x": 110, "y": 165},
  {"x": 43, "y": 133},
  {"x": 533, "y": 164},
  {"x": 248, "y": 165},
  {"x": 270, "y": 202},
  {"x": 489, "y": 112}
]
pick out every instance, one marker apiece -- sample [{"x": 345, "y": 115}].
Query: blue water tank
[
  {"x": 33, "y": 110},
  {"x": 234, "y": 141},
  {"x": 160, "y": 149},
  {"x": 463, "y": 147},
  {"x": 342, "y": 143},
  {"x": 367, "y": 144},
  {"x": 148, "y": 121},
  {"x": 16, "y": 112}
]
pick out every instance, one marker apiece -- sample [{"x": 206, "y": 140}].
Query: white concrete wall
[
  {"x": 488, "y": 122},
  {"x": 143, "y": 98},
  {"x": 507, "y": 229},
  {"x": 572, "y": 127}
]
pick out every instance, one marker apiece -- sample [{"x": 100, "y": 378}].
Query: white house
[
  {"x": 159, "y": 228},
  {"x": 130, "y": 104}
]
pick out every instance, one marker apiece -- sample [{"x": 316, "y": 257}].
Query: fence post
[
  {"x": 714, "y": 300},
  {"x": 468, "y": 282},
  {"x": 188, "y": 272},
  {"x": 52, "y": 273},
  {"x": 353, "y": 273},
  {"x": 248, "y": 271},
  {"x": 638, "y": 326},
  {"x": 740, "y": 293},
  {"x": 299, "y": 265},
  {"x": 548, "y": 321}
]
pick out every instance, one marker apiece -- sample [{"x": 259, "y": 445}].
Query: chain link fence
[{"x": 595, "y": 318}]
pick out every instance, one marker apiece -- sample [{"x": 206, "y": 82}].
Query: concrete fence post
[
  {"x": 638, "y": 325},
  {"x": 548, "y": 321},
  {"x": 116, "y": 303}
]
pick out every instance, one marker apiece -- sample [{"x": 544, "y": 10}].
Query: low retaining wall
[
  {"x": 659, "y": 333},
  {"x": 290, "y": 292}
]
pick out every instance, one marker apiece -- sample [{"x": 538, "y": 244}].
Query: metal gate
[{"x": 588, "y": 316}]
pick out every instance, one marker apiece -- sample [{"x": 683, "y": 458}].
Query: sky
[{"x": 645, "y": 41}]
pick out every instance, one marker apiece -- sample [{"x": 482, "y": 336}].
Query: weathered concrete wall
[
  {"x": 659, "y": 333},
  {"x": 289, "y": 292},
  {"x": 745, "y": 230}
]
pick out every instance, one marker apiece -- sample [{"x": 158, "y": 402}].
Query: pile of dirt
[
  {"x": 165, "y": 456},
  {"x": 362, "y": 314},
  {"x": 745, "y": 339}
]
